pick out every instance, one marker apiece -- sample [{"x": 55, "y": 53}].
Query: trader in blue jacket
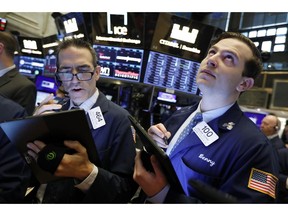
[
  {"x": 225, "y": 150},
  {"x": 111, "y": 181}
]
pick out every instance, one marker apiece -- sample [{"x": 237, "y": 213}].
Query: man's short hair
[
  {"x": 79, "y": 43},
  {"x": 254, "y": 66},
  {"x": 10, "y": 43}
]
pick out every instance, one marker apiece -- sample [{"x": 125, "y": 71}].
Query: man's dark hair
[
  {"x": 254, "y": 66},
  {"x": 79, "y": 43},
  {"x": 10, "y": 43}
]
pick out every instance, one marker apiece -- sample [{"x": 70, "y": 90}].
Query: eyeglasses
[{"x": 83, "y": 74}]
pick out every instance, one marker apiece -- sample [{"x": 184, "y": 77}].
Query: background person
[
  {"x": 14, "y": 85},
  {"x": 14, "y": 172},
  {"x": 270, "y": 126},
  {"x": 284, "y": 135}
]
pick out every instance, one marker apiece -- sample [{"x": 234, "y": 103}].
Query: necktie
[{"x": 187, "y": 130}]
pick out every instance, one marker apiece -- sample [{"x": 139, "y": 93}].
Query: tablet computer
[
  {"x": 51, "y": 128},
  {"x": 151, "y": 147}
]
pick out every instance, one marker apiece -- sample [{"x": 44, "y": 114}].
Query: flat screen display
[
  {"x": 50, "y": 65},
  {"x": 31, "y": 66},
  {"x": 279, "y": 100},
  {"x": 256, "y": 117},
  {"x": 166, "y": 97},
  {"x": 50, "y": 45},
  {"x": 254, "y": 98},
  {"x": 172, "y": 72},
  {"x": 120, "y": 62},
  {"x": 45, "y": 86}
]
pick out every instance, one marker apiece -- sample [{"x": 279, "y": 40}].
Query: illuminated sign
[
  {"x": 117, "y": 30},
  {"x": 182, "y": 37},
  {"x": 30, "y": 44},
  {"x": 184, "y": 34},
  {"x": 80, "y": 35},
  {"x": 70, "y": 25},
  {"x": 30, "y": 47},
  {"x": 3, "y": 23}
]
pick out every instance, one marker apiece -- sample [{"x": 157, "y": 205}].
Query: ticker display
[{"x": 120, "y": 62}]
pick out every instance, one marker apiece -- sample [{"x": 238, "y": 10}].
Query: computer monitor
[
  {"x": 256, "y": 117},
  {"x": 31, "y": 66},
  {"x": 45, "y": 86},
  {"x": 171, "y": 72},
  {"x": 279, "y": 100},
  {"x": 120, "y": 63},
  {"x": 166, "y": 97},
  {"x": 257, "y": 98}
]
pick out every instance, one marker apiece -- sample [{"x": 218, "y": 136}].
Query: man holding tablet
[{"x": 225, "y": 150}]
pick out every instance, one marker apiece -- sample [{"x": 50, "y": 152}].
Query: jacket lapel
[
  {"x": 7, "y": 77},
  {"x": 220, "y": 125}
]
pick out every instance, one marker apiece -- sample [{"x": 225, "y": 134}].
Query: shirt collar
[
  {"x": 5, "y": 70},
  {"x": 212, "y": 114},
  {"x": 272, "y": 136},
  {"x": 88, "y": 104}
]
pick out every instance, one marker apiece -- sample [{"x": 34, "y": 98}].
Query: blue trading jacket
[{"x": 225, "y": 164}]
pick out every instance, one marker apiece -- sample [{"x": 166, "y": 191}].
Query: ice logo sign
[{"x": 117, "y": 29}]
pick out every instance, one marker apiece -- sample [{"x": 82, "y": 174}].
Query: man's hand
[
  {"x": 151, "y": 183},
  {"x": 76, "y": 165},
  {"x": 160, "y": 134},
  {"x": 47, "y": 105}
]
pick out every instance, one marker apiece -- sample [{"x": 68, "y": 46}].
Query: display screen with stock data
[
  {"x": 171, "y": 72},
  {"x": 31, "y": 66},
  {"x": 119, "y": 62},
  {"x": 178, "y": 46}
]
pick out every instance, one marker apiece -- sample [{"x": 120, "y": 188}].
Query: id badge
[
  {"x": 96, "y": 117},
  {"x": 205, "y": 133}
]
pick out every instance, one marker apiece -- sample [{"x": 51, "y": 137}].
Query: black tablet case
[
  {"x": 152, "y": 148},
  {"x": 51, "y": 128}
]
